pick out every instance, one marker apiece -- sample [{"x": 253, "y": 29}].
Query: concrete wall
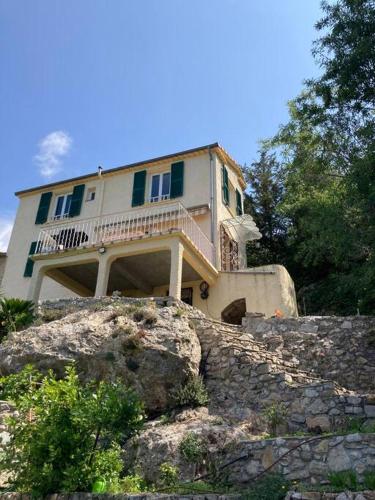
[
  {"x": 265, "y": 289},
  {"x": 2, "y": 265}
]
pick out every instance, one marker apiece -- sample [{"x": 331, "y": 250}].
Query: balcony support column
[
  {"x": 177, "y": 252},
  {"x": 104, "y": 268},
  {"x": 36, "y": 283}
]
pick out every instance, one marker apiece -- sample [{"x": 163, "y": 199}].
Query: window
[
  {"x": 160, "y": 187},
  {"x": 90, "y": 194},
  {"x": 63, "y": 206}
]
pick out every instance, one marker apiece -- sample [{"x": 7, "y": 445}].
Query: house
[{"x": 169, "y": 226}]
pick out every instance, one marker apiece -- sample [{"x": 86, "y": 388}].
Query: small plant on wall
[{"x": 275, "y": 416}]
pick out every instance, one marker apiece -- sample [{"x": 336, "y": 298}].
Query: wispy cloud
[
  {"x": 6, "y": 225},
  {"x": 52, "y": 149}
]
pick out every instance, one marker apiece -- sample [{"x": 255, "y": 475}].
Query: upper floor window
[
  {"x": 63, "y": 206},
  {"x": 160, "y": 187},
  {"x": 90, "y": 194}
]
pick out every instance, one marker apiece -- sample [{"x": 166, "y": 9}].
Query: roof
[{"x": 224, "y": 156}]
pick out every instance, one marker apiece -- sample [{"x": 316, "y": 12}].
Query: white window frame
[
  {"x": 91, "y": 191},
  {"x": 62, "y": 216},
  {"x": 160, "y": 197}
]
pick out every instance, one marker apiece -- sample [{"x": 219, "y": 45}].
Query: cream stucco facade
[{"x": 144, "y": 237}]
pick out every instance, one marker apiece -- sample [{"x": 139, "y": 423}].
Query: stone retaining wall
[
  {"x": 310, "y": 463},
  {"x": 242, "y": 377},
  {"x": 315, "y": 495},
  {"x": 341, "y": 349}
]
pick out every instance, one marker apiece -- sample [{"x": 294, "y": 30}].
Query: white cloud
[
  {"x": 6, "y": 225},
  {"x": 52, "y": 149}
]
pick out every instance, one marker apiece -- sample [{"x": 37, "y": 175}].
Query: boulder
[{"x": 153, "y": 349}]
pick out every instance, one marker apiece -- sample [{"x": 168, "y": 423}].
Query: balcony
[{"x": 124, "y": 227}]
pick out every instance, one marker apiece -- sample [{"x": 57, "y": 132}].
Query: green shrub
[
  {"x": 15, "y": 315},
  {"x": 193, "y": 448},
  {"x": 269, "y": 487},
  {"x": 344, "y": 480},
  {"x": 168, "y": 475},
  {"x": 146, "y": 314},
  {"x": 65, "y": 435},
  {"x": 133, "y": 483},
  {"x": 275, "y": 415},
  {"x": 192, "y": 394},
  {"x": 369, "y": 480}
]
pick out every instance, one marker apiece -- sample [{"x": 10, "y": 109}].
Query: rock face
[
  {"x": 154, "y": 349},
  {"x": 319, "y": 371}
]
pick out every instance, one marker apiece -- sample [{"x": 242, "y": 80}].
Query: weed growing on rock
[
  {"x": 344, "y": 480},
  {"x": 369, "y": 480},
  {"x": 133, "y": 483},
  {"x": 192, "y": 394},
  {"x": 178, "y": 313},
  {"x": 15, "y": 315},
  {"x": 275, "y": 415},
  {"x": 193, "y": 448},
  {"x": 270, "y": 487},
  {"x": 168, "y": 476},
  {"x": 146, "y": 314}
]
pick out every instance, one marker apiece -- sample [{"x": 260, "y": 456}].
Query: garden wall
[{"x": 341, "y": 349}]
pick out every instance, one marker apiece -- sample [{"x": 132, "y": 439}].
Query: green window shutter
[
  {"x": 139, "y": 185},
  {"x": 44, "y": 203},
  {"x": 225, "y": 186},
  {"x": 177, "y": 179},
  {"x": 30, "y": 263},
  {"x": 76, "y": 203},
  {"x": 238, "y": 203}
]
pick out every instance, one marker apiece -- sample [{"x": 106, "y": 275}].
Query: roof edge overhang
[{"x": 222, "y": 154}]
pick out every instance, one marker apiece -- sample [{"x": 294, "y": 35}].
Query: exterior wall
[
  {"x": 2, "y": 265},
  {"x": 113, "y": 194},
  {"x": 265, "y": 289}
]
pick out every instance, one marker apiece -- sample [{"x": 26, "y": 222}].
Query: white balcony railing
[{"x": 125, "y": 226}]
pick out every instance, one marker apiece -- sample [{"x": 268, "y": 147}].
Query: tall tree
[
  {"x": 328, "y": 151},
  {"x": 265, "y": 194}
]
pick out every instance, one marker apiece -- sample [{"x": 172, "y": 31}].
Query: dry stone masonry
[{"x": 321, "y": 371}]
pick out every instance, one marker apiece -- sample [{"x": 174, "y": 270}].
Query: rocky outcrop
[
  {"x": 155, "y": 346},
  {"x": 153, "y": 349}
]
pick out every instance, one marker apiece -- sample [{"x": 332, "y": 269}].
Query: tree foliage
[
  {"x": 66, "y": 435},
  {"x": 264, "y": 178},
  {"x": 327, "y": 162},
  {"x": 15, "y": 314}
]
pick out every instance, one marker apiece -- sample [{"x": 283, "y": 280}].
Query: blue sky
[{"x": 97, "y": 82}]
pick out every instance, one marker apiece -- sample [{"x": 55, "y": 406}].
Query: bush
[
  {"x": 275, "y": 415},
  {"x": 192, "y": 394},
  {"x": 168, "y": 475},
  {"x": 270, "y": 487},
  {"x": 369, "y": 480},
  {"x": 15, "y": 315},
  {"x": 133, "y": 483},
  {"x": 193, "y": 448},
  {"x": 65, "y": 435},
  {"x": 344, "y": 480}
]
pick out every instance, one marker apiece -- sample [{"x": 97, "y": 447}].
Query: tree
[
  {"x": 264, "y": 178},
  {"x": 327, "y": 150},
  {"x": 66, "y": 434}
]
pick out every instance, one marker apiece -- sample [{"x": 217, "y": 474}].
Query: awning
[{"x": 242, "y": 228}]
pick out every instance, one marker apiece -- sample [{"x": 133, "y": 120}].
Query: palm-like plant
[{"x": 15, "y": 314}]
